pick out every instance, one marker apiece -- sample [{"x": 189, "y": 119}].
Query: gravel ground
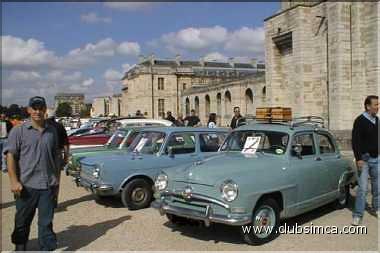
[{"x": 81, "y": 223}]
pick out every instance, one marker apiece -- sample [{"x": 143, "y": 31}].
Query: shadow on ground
[
  {"x": 76, "y": 237},
  {"x": 229, "y": 234}
]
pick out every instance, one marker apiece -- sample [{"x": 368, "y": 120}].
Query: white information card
[{"x": 251, "y": 145}]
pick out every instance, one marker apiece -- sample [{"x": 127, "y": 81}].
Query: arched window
[
  {"x": 187, "y": 106},
  {"x": 207, "y": 105},
  {"x": 249, "y": 102},
  {"x": 227, "y": 104},
  {"x": 196, "y": 105}
]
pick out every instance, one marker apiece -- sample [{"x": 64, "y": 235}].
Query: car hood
[
  {"x": 227, "y": 165},
  {"x": 120, "y": 160}
]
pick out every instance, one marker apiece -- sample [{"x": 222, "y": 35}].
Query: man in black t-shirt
[
  {"x": 237, "y": 119},
  {"x": 170, "y": 117},
  {"x": 192, "y": 120},
  {"x": 63, "y": 140}
]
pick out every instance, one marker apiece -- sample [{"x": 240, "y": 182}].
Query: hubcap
[
  {"x": 138, "y": 194},
  {"x": 265, "y": 220}
]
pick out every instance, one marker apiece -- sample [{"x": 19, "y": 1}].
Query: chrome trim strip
[{"x": 195, "y": 196}]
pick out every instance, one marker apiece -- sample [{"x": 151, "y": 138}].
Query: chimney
[
  {"x": 202, "y": 61},
  {"x": 254, "y": 62},
  {"x": 151, "y": 58},
  {"x": 178, "y": 59},
  {"x": 141, "y": 58},
  {"x": 231, "y": 61}
]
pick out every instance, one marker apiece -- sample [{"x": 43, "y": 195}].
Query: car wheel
[
  {"x": 137, "y": 194},
  {"x": 265, "y": 222},
  {"x": 343, "y": 197}
]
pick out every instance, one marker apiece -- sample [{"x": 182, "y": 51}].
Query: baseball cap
[{"x": 37, "y": 102}]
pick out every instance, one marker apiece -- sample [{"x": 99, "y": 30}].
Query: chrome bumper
[
  {"x": 208, "y": 217},
  {"x": 100, "y": 189}
]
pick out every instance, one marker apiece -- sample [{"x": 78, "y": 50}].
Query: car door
[
  {"x": 331, "y": 160},
  {"x": 307, "y": 169},
  {"x": 209, "y": 143},
  {"x": 184, "y": 149}
]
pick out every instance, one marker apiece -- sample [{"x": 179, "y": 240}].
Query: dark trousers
[{"x": 26, "y": 205}]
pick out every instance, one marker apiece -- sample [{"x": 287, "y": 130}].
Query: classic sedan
[
  {"x": 120, "y": 140},
  {"x": 264, "y": 172},
  {"x": 131, "y": 173}
]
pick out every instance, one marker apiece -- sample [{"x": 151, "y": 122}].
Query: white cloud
[
  {"x": 130, "y": 6},
  {"x": 215, "y": 56},
  {"x": 246, "y": 40},
  {"x": 126, "y": 67},
  {"x": 19, "y": 53},
  {"x": 93, "y": 18},
  {"x": 187, "y": 41},
  {"x": 194, "y": 39},
  {"x": 31, "y": 54},
  {"x": 129, "y": 48},
  {"x": 18, "y": 76},
  {"x": 88, "y": 82},
  {"x": 112, "y": 75}
]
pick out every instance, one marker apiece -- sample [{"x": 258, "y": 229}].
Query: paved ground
[{"x": 83, "y": 224}]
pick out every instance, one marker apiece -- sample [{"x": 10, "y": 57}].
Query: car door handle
[{"x": 318, "y": 159}]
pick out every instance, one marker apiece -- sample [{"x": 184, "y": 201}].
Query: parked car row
[{"x": 255, "y": 175}]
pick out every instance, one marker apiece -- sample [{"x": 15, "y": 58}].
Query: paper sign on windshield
[{"x": 251, "y": 145}]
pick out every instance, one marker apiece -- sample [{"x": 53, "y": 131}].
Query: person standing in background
[
  {"x": 237, "y": 119},
  {"x": 365, "y": 141},
  {"x": 211, "y": 120},
  {"x": 193, "y": 120}
]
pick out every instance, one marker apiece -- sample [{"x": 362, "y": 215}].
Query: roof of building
[{"x": 69, "y": 94}]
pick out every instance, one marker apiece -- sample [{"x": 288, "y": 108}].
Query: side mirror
[
  {"x": 170, "y": 152},
  {"x": 297, "y": 149}
]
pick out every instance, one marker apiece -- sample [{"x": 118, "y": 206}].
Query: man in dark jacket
[
  {"x": 170, "y": 117},
  {"x": 365, "y": 140},
  {"x": 237, "y": 119}
]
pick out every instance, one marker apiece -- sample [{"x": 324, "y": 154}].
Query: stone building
[
  {"x": 155, "y": 86},
  {"x": 100, "y": 106},
  {"x": 76, "y": 101},
  {"x": 247, "y": 93},
  {"x": 322, "y": 58},
  {"x": 106, "y": 106}
]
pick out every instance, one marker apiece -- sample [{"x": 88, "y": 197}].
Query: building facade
[
  {"x": 247, "y": 93},
  {"x": 106, "y": 106},
  {"x": 155, "y": 86},
  {"x": 322, "y": 58},
  {"x": 76, "y": 101},
  {"x": 100, "y": 106}
]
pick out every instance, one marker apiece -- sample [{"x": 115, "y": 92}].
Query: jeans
[
  {"x": 369, "y": 170},
  {"x": 26, "y": 205}
]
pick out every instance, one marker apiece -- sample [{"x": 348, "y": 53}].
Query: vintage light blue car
[
  {"x": 264, "y": 172},
  {"x": 131, "y": 173}
]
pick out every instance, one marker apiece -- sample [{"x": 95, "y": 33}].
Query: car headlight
[
  {"x": 96, "y": 173},
  {"x": 161, "y": 182},
  {"x": 229, "y": 190}
]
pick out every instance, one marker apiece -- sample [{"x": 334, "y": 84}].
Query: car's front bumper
[
  {"x": 207, "y": 217},
  {"x": 96, "y": 188}
]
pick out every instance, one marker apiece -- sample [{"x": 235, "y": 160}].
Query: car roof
[
  {"x": 185, "y": 129},
  {"x": 281, "y": 127},
  {"x": 145, "y": 121}
]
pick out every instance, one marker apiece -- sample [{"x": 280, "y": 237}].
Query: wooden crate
[
  {"x": 274, "y": 113},
  {"x": 281, "y": 113}
]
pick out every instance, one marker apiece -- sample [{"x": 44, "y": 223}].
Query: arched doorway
[
  {"x": 227, "y": 104},
  {"x": 196, "y": 105},
  {"x": 207, "y": 105},
  {"x": 249, "y": 102},
  {"x": 219, "y": 107},
  {"x": 187, "y": 106}
]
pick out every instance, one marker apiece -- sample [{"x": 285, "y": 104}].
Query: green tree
[
  {"x": 86, "y": 111},
  {"x": 64, "y": 110}
]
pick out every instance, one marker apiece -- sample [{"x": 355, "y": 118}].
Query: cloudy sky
[{"x": 86, "y": 47}]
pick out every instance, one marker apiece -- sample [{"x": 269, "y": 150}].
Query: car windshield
[
  {"x": 270, "y": 142},
  {"x": 128, "y": 139},
  {"x": 147, "y": 143},
  {"x": 116, "y": 139}
]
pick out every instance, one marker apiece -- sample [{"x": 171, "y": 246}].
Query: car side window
[
  {"x": 181, "y": 143},
  {"x": 211, "y": 142},
  {"x": 325, "y": 144},
  {"x": 307, "y": 143}
]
